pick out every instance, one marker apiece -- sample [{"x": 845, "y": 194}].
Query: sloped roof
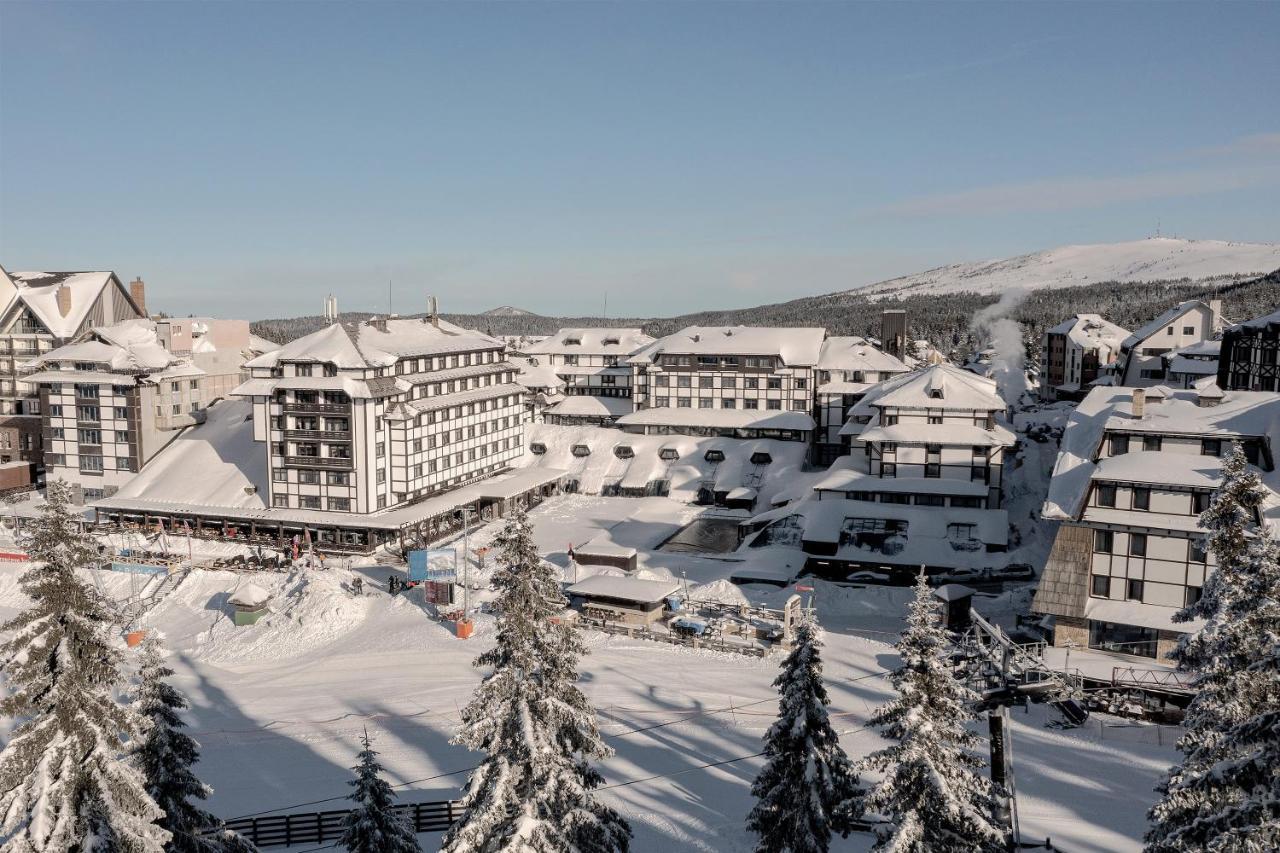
[
  {"x": 362, "y": 345},
  {"x": 959, "y": 389},
  {"x": 718, "y": 418},
  {"x": 39, "y": 292},
  {"x": 1092, "y": 330},
  {"x": 1166, "y": 317},
  {"x": 854, "y": 353},
  {"x": 797, "y": 347},
  {"x": 130, "y": 345},
  {"x": 608, "y": 341}
]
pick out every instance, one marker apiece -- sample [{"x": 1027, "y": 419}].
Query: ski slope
[{"x": 1153, "y": 259}]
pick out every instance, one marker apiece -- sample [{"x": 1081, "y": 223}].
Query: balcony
[
  {"x": 318, "y": 434},
  {"x": 319, "y": 462},
  {"x": 322, "y": 408}
]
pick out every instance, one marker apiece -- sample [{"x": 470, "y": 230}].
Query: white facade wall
[{"x": 1145, "y": 366}]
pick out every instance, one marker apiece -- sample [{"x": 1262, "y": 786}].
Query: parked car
[
  {"x": 869, "y": 577},
  {"x": 959, "y": 576},
  {"x": 1012, "y": 572}
]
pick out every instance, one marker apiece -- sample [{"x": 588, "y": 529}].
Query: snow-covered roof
[
  {"x": 847, "y": 480},
  {"x": 1203, "y": 348},
  {"x": 638, "y": 590},
  {"x": 1193, "y": 366},
  {"x": 605, "y": 341},
  {"x": 250, "y": 595},
  {"x": 1239, "y": 414},
  {"x": 600, "y": 548},
  {"x": 797, "y": 347},
  {"x": 126, "y": 350},
  {"x": 741, "y": 493},
  {"x": 532, "y": 375},
  {"x": 591, "y": 406},
  {"x": 259, "y": 344},
  {"x": 1153, "y": 467},
  {"x": 39, "y": 292},
  {"x": 362, "y": 345},
  {"x": 855, "y": 353},
  {"x": 1166, "y": 317},
  {"x": 1259, "y": 323},
  {"x": 938, "y": 386},
  {"x": 1137, "y": 613},
  {"x": 718, "y": 418},
  {"x": 1091, "y": 331},
  {"x": 844, "y": 387}
]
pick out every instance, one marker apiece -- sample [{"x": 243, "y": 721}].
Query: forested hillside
[{"x": 940, "y": 318}]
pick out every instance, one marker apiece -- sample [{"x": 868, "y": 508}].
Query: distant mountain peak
[
  {"x": 1152, "y": 259},
  {"x": 508, "y": 311}
]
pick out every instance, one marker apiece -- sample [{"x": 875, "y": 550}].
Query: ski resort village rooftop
[{"x": 1136, "y": 469}]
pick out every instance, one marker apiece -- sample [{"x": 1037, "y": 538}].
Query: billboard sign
[
  {"x": 139, "y": 568},
  {"x": 435, "y": 564}
]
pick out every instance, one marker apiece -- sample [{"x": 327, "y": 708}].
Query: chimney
[
  {"x": 433, "y": 311},
  {"x": 64, "y": 300},
  {"x": 138, "y": 290},
  {"x": 1139, "y": 403},
  {"x": 1215, "y": 315},
  {"x": 331, "y": 308},
  {"x": 379, "y": 323}
]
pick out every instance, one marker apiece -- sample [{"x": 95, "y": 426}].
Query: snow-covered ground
[
  {"x": 279, "y": 706},
  {"x": 1153, "y": 259}
]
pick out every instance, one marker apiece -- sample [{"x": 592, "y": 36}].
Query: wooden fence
[{"x": 319, "y": 827}]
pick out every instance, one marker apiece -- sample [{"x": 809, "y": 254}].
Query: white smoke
[{"x": 1003, "y": 335}]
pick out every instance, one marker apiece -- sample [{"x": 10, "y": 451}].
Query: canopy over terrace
[{"x": 335, "y": 531}]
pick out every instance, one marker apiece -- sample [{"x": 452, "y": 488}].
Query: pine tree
[
  {"x": 1205, "y": 799},
  {"x": 65, "y": 783},
  {"x": 533, "y": 791},
  {"x": 165, "y": 756},
  {"x": 808, "y": 788},
  {"x": 373, "y": 825},
  {"x": 933, "y": 792}
]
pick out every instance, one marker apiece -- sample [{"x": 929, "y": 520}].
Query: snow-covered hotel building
[
  {"x": 38, "y": 312},
  {"x": 593, "y": 365},
  {"x": 116, "y": 396},
  {"x": 1075, "y": 353},
  {"x": 1142, "y": 354},
  {"x": 1136, "y": 469},
  {"x": 1249, "y": 359},
  {"x": 354, "y": 435},
  {"x": 736, "y": 381},
  {"x": 923, "y": 484},
  {"x": 847, "y": 368}
]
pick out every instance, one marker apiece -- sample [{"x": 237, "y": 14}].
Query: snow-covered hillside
[
  {"x": 508, "y": 311},
  {"x": 1153, "y": 259}
]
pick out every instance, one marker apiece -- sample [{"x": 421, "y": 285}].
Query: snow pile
[{"x": 719, "y": 591}]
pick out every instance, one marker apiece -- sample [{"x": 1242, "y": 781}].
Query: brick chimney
[
  {"x": 138, "y": 290},
  {"x": 1139, "y": 406},
  {"x": 64, "y": 300}
]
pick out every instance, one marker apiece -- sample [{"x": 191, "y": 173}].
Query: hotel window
[
  {"x": 1100, "y": 586},
  {"x": 310, "y": 478},
  {"x": 280, "y": 501},
  {"x": 750, "y": 404},
  {"x": 1191, "y": 595},
  {"x": 1151, "y": 442},
  {"x": 90, "y": 463},
  {"x": 683, "y": 382},
  {"x": 382, "y": 501},
  {"x": 705, "y": 402},
  {"x": 279, "y": 475},
  {"x": 120, "y": 413},
  {"x": 1103, "y": 541},
  {"x": 340, "y": 504},
  {"x": 308, "y": 501},
  {"x": 124, "y": 463},
  {"x": 773, "y": 383},
  {"x": 801, "y": 384},
  {"x": 1138, "y": 544},
  {"x": 728, "y": 382},
  {"x": 380, "y": 476},
  {"x": 1141, "y": 497},
  {"x": 1107, "y": 494},
  {"x": 979, "y": 474},
  {"x": 662, "y": 402},
  {"x": 1210, "y": 447},
  {"x": 773, "y": 404},
  {"x": 1197, "y": 551},
  {"x": 932, "y": 470},
  {"x": 728, "y": 403},
  {"x": 380, "y": 449},
  {"x": 1133, "y": 590},
  {"x": 338, "y": 478},
  {"x": 750, "y": 382},
  {"x": 661, "y": 381},
  {"x": 87, "y": 413},
  {"x": 683, "y": 403},
  {"x": 1119, "y": 445},
  {"x": 706, "y": 381},
  {"x": 89, "y": 436},
  {"x": 888, "y": 469}
]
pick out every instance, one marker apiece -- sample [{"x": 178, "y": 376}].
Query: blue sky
[{"x": 246, "y": 159}]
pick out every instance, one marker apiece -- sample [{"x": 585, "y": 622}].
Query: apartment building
[
  {"x": 116, "y": 396},
  {"x": 357, "y": 418},
  {"x": 1136, "y": 469},
  {"x": 1075, "y": 353},
  {"x": 1142, "y": 354},
  {"x": 1192, "y": 365},
  {"x": 38, "y": 312},
  {"x": 1249, "y": 359},
  {"x": 847, "y": 368},
  {"x": 711, "y": 379},
  {"x": 590, "y": 362}
]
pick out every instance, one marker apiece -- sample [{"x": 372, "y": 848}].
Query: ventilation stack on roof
[
  {"x": 893, "y": 332},
  {"x": 1209, "y": 396},
  {"x": 138, "y": 291},
  {"x": 379, "y": 323},
  {"x": 433, "y": 311},
  {"x": 64, "y": 300},
  {"x": 1215, "y": 315},
  {"x": 1139, "y": 406},
  {"x": 331, "y": 309}
]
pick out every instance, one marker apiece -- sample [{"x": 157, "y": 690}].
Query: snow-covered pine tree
[
  {"x": 65, "y": 781},
  {"x": 373, "y": 825},
  {"x": 165, "y": 755},
  {"x": 1205, "y": 798},
  {"x": 808, "y": 788},
  {"x": 933, "y": 792},
  {"x": 532, "y": 793}
]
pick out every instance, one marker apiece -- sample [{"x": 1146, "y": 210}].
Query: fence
[{"x": 319, "y": 827}]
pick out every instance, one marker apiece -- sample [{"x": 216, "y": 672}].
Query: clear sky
[{"x": 246, "y": 159}]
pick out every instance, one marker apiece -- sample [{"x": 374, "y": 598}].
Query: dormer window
[
  {"x": 612, "y": 341},
  {"x": 331, "y": 370},
  {"x": 935, "y": 393},
  {"x": 86, "y": 365},
  {"x": 573, "y": 342}
]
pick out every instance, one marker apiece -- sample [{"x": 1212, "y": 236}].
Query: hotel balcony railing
[
  {"x": 320, "y": 462},
  {"x": 325, "y": 408},
  {"x": 319, "y": 434}
]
